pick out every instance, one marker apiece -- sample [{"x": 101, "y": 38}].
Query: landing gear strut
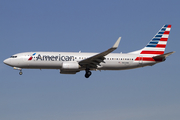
[
  {"x": 88, "y": 73},
  {"x": 16, "y": 68}
]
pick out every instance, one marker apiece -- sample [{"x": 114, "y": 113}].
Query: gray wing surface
[
  {"x": 95, "y": 60},
  {"x": 163, "y": 56}
]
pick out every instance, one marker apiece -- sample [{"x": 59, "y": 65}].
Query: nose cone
[{"x": 7, "y": 61}]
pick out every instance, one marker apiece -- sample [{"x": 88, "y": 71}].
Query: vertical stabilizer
[{"x": 158, "y": 43}]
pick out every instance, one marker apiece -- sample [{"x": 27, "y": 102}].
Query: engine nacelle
[{"x": 70, "y": 66}]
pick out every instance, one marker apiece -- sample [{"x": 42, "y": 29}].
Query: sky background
[{"x": 149, "y": 93}]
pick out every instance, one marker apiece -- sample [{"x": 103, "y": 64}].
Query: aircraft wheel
[
  {"x": 20, "y": 73},
  {"x": 86, "y": 76},
  {"x": 88, "y": 73}
]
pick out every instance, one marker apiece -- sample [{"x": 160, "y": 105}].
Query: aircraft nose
[{"x": 7, "y": 61}]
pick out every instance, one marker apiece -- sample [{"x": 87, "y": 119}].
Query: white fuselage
[{"x": 54, "y": 60}]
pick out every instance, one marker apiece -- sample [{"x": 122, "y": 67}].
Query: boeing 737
[{"x": 73, "y": 62}]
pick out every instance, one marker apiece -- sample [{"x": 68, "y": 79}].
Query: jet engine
[{"x": 70, "y": 66}]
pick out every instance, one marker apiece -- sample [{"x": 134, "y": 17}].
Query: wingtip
[
  {"x": 172, "y": 52},
  {"x": 117, "y": 43}
]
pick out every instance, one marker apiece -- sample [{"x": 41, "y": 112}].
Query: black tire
[
  {"x": 20, "y": 73},
  {"x": 88, "y": 73},
  {"x": 87, "y": 76}
]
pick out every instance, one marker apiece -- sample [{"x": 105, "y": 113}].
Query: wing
[{"x": 95, "y": 60}]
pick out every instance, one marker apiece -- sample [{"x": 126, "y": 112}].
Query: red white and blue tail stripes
[
  {"x": 156, "y": 46},
  {"x": 158, "y": 43}
]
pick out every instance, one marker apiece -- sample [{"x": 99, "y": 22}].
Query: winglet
[{"x": 117, "y": 43}]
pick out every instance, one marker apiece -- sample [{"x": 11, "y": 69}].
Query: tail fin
[{"x": 158, "y": 43}]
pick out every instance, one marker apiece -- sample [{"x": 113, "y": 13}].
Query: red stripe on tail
[
  {"x": 163, "y": 39},
  {"x": 152, "y": 52},
  {"x": 169, "y": 26},
  {"x": 161, "y": 46},
  {"x": 166, "y": 32}
]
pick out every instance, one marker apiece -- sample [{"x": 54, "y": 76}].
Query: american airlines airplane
[{"x": 73, "y": 62}]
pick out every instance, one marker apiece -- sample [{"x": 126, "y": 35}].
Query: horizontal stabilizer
[{"x": 163, "y": 56}]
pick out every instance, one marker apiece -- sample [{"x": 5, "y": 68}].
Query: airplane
[{"x": 73, "y": 62}]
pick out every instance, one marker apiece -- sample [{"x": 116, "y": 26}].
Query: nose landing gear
[
  {"x": 88, "y": 73},
  {"x": 20, "y": 73},
  {"x": 16, "y": 68}
]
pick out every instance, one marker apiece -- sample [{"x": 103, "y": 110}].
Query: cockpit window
[{"x": 13, "y": 56}]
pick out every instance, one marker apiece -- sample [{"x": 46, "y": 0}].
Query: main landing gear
[{"x": 88, "y": 73}]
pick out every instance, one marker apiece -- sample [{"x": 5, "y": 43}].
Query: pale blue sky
[{"x": 150, "y": 93}]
